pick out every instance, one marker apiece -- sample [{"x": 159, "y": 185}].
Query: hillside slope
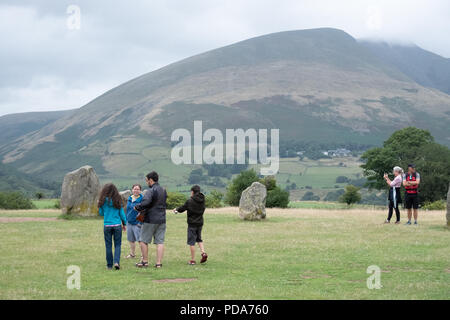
[
  {"x": 318, "y": 85},
  {"x": 424, "y": 67}
]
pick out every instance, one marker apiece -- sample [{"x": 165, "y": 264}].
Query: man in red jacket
[{"x": 411, "y": 181}]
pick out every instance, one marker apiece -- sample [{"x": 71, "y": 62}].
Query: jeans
[{"x": 111, "y": 233}]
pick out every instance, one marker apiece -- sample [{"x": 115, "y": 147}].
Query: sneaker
[
  {"x": 192, "y": 262},
  {"x": 204, "y": 257},
  {"x": 415, "y": 222},
  {"x": 397, "y": 222},
  {"x": 116, "y": 266},
  {"x": 408, "y": 223},
  {"x": 386, "y": 221}
]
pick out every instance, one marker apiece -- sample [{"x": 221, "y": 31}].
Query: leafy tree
[
  {"x": 351, "y": 195},
  {"x": 277, "y": 198},
  {"x": 239, "y": 184},
  {"x": 175, "y": 199},
  {"x": 269, "y": 182},
  {"x": 39, "y": 195},
  {"x": 411, "y": 145},
  {"x": 334, "y": 195},
  {"x": 15, "y": 200},
  {"x": 310, "y": 196},
  {"x": 196, "y": 176},
  {"x": 214, "y": 199}
]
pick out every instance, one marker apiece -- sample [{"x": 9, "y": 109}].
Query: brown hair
[
  {"x": 110, "y": 191},
  {"x": 136, "y": 185}
]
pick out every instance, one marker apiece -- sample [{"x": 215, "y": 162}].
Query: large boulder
[
  {"x": 448, "y": 206},
  {"x": 252, "y": 205},
  {"x": 80, "y": 191},
  {"x": 125, "y": 195}
]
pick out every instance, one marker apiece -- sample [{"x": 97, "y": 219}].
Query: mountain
[
  {"x": 13, "y": 180},
  {"x": 424, "y": 67},
  {"x": 318, "y": 85},
  {"x": 17, "y": 125}
]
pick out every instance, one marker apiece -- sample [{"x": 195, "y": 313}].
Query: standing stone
[
  {"x": 125, "y": 195},
  {"x": 252, "y": 205},
  {"x": 448, "y": 206},
  {"x": 80, "y": 191}
]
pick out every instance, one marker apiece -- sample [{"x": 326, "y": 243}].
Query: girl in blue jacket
[{"x": 114, "y": 221}]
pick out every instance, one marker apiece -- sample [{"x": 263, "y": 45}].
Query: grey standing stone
[
  {"x": 80, "y": 191},
  {"x": 252, "y": 205},
  {"x": 125, "y": 195}
]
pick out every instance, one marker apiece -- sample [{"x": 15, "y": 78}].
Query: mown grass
[
  {"x": 294, "y": 254},
  {"x": 328, "y": 205},
  {"x": 45, "y": 203}
]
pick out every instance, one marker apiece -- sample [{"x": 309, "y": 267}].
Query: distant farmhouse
[{"x": 341, "y": 152}]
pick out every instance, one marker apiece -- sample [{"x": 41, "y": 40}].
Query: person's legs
[
  {"x": 159, "y": 236},
  {"x": 202, "y": 247},
  {"x": 391, "y": 208},
  {"x": 397, "y": 213},
  {"x": 159, "y": 253},
  {"x": 416, "y": 208},
  {"x": 132, "y": 248},
  {"x": 409, "y": 214},
  {"x": 192, "y": 248},
  {"x": 131, "y": 240},
  {"x": 117, "y": 244},
  {"x": 108, "y": 245},
  {"x": 144, "y": 251}
]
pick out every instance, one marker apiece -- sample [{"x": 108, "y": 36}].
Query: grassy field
[
  {"x": 328, "y": 205},
  {"x": 45, "y": 203},
  {"x": 294, "y": 254}
]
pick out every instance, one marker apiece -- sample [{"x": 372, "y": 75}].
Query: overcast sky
[{"x": 48, "y": 63}]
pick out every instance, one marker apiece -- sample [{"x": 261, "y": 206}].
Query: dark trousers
[
  {"x": 112, "y": 233},
  {"x": 391, "y": 209}
]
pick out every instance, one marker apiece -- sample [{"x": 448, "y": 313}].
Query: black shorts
[
  {"x": 412, "y": 201},
  {"x": 194, "y": 234}
]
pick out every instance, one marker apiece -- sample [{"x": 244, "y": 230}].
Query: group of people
[
  {"x": 410, "y": 180},
  {"x": 145, "y": 221}
]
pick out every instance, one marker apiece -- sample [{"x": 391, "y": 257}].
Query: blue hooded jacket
[
  {"x": 131, "y": 212},
  {"x": 112, "y": 216}
]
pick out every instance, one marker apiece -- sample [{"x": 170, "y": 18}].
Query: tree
[
  {"x": 239, "y": 184},
  {"x": 269, "y": 182},
  {"x": 351, "y": 195},
  {"x": 39, "y": 195},
  {"x": 214, "y": 199},
  {"x": 277, "y": 198},
  {"x": 411, "y": 145},
  {"x": 175, "y": 200},
  {"x": 310, "y": 196},
  {"x": 15, "y": 200}
]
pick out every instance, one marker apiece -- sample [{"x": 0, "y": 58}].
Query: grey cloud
[{"x": 45, "y": 66}]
